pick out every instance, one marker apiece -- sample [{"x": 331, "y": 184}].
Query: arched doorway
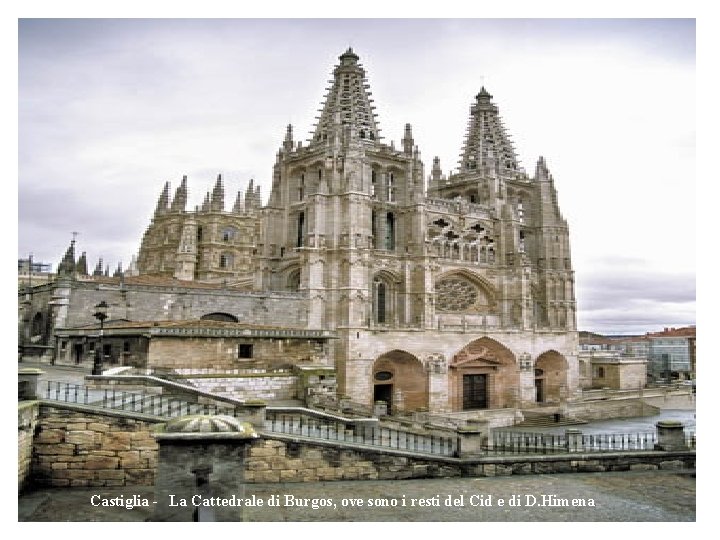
[
  {"x": 483, "y": 375},
  {"x": 551, "y": 371},
  {"x": 398, "y": 378}
]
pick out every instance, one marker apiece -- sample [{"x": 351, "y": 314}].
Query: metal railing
[
  {"x": 137, "y": 402},
  {"x": 361, "y": 434},
  {"x": 309, "y": 424}
]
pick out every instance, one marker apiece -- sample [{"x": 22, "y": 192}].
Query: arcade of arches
[{"x": 482, "y": 375}]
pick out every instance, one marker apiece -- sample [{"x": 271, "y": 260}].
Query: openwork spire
[
  {"x": 347, "y": 102},
  {"x": 217, "y": 203},
  {"x": 162, "y": 204},
  {"x": 487, "y": 147},
  {"x": 67, "y": 265},
  {"x": 180, "y": 200}
]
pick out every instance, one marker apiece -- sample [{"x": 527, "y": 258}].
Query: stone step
[{"x": 549, "y": 421}]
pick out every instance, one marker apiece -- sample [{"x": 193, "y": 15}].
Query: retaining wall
[
  {"x": 277, "y": 460},
  {"x": 623, "y": 407},
  {"x": 75, "y": 446},
  {"x": 28, "y": 412},
  {"x": 245, "y": 387}
]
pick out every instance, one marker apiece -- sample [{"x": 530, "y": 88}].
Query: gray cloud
[{"x": 111, "y": 109}]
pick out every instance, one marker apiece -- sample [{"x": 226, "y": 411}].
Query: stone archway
[
  {"x": 399, "y": 379},
  {"x": 551, "y": 372},
  {"x": 483, "y": 375}
]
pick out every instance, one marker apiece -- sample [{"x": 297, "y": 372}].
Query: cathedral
[{"x": 439, "y": 292}]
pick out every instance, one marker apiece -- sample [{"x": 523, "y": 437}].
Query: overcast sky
[{"x": 111, "y": 109}]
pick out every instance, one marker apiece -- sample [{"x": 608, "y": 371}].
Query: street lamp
[{"x": 100, "y": 314}]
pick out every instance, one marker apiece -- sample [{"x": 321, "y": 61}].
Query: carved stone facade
[
  {"x": 402, "y": 273},
  {"x": 451, "y": 296},
  {"x": 208, "y": 243}
]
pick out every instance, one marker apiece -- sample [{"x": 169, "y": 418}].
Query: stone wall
[
  {"x": 223, "y": 353},
  {"x": 273, "y": 460},
  {"x": 75, "y": 447},
  {"x": 261, "y": 386},
  {"x": 27, "y": 419},
  {"x": 145, "y": 303},
  {"x": 628, "y": 407}
]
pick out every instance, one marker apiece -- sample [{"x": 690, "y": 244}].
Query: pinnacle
[{"x": 484, "y": 94}]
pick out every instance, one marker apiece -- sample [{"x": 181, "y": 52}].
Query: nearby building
[
  {"x": 33, "y": 273},
  {"x": 613, "y": 363},
  {"x": 458, "y": 296},
  {"x": 672, "y": 354}
]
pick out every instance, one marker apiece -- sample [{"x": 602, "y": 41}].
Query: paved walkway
[
  {"x": 628, "y": 496},
  {"x": 68, "y": 374}
]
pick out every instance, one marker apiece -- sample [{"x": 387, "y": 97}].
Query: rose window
[{"x": 455, "y": 294}]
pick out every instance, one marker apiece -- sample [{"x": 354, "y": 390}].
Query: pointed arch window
[
  {"x": 373, "y": 184},
  {"x": 226, "y": 261},
  {"x": 382, "y": 301},
  {"x": 381, "y": 312},
  {"x": 293, "y": 282},
  {"x": 391, "y": 187},
  {"x": 301, "y": 188},
  {"x": 374, "y": 231},
  {"x": 390, "y": 231},
  {"x": 228, "y": 234},
  {"x": 300, "y": 230}
]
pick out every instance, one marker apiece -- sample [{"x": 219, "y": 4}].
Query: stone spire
[
  {"x": 487, "y": 147},
  {"x": 288, "y": 143},
  {"x": 347, "y": 103},
  {"x": 541, "y": 170},
  {"x": 162, "y": 204},
  {"x": 206, "y": 203},
  {"x": 435, "y": 176},
  {"x": 132, "y": 269},
  {"x": 67, "y": 265},
  {"x": 180, "y": 200},
  {"x": 238, "y": 207},
  {"x": 408, "y": 141},
  {"x": 250, "y": 195},
  {"x": 99, "y": 268},
  {"x": 118, "y": 271},
  {"x": 81, "y": 266},
  {"x": 217, "y": 203}
]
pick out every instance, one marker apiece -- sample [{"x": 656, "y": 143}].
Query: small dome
[{"x": 198, "y": 423}]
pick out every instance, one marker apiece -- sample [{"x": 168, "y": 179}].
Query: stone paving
[{"x": 629, "y": 497}]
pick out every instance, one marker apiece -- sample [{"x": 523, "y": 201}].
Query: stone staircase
[{"x": 547, "y": 418}]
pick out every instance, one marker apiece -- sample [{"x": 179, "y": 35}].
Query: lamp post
[{"x": 100, "y": 314}]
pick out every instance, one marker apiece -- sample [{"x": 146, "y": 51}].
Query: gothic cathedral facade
[{"x": 451, "y": 296}]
